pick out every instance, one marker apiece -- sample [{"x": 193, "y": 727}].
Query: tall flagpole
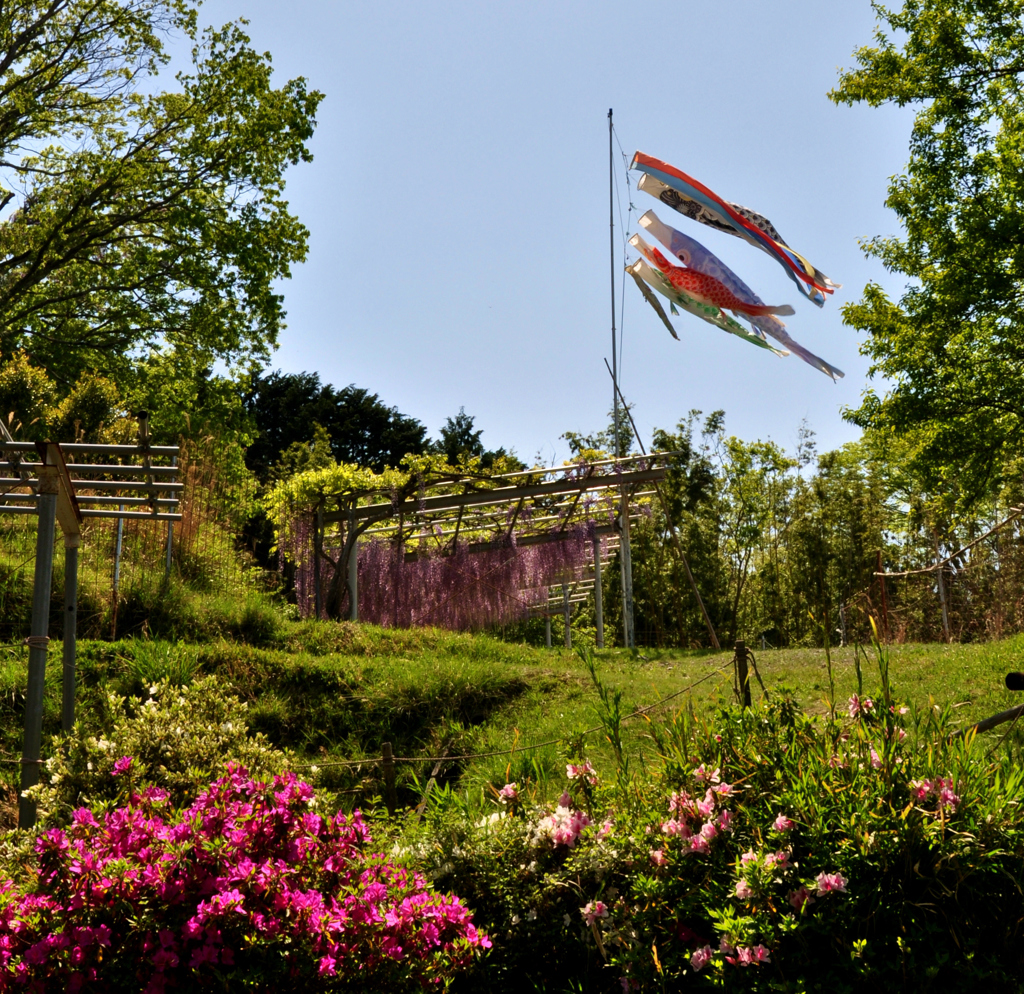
[{"x": 625, "y": 559}]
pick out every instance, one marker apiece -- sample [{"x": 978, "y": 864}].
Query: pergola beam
[{"x": 501, "y": 495}]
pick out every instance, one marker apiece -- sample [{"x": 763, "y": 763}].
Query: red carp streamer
[{"x": 708, "y": 290}]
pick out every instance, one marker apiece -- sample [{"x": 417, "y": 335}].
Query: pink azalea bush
[{"x": 247, "y": 885}]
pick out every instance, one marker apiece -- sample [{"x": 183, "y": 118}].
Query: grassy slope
[{"x": 338, "y": 691}]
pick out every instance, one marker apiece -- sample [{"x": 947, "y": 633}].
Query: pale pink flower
[
  {"x": 565, "y": 801},
  {"x": 700, "y": 958},
  {"x": 564, "y": 826},
  {"x": 778, "y": 859},
  {"x": 699, "y": 844},
  {"x": 586, "y": 771},
  {"x": 782, "y": 823},
  {"x": 703, "y": 774},
  {"x": 509, "y": 793},
  {"x": 920, "y": 789},
  {"x": 674, "y": 827},
  {"x": 761, "y": 953},
  {"x": 947, "y": 799},
  {"x": 724, "y": 789},
  {"x": 876, "y": 761},
  {"x": 831, "y": 882},
  {"x": 708, "y": 830},
  {"x": 658, "y": 857},
  {"x": 748, "y": 857},
  {"x": 725, "y": 821},
  {"x": 743, "y": 890},
  {"x": 593, "y": 910},
  {"x": 858, "y": 706},
  {"x": 606, "y": 829},
  {"x": 707, "y": 806}
]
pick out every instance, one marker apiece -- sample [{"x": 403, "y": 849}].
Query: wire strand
[{"x": 524, "y": 748}]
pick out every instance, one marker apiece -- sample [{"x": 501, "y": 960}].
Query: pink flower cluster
[
  {"x": 734, "y": 955},
  {"x": 749, "y": 955},
  {"x": 564, "y": 825},
  {"x": 828, "y": 883},
  {"x": 858, "y": 706},
  {"x": 824, "y": 883},
  {"x": 698, "y": 821},
  {"x": 593, "y": 910},
  {"x": 941, "y": 789},
  {"x": 584, "y": 771},
  {"x": 248, "y": 878},
  {"x": 509, "y": 794}
]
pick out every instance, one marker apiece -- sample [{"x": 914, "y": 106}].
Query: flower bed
[
  {"x": 766, "y": 850},
  {"x": 248, "y": 887}
]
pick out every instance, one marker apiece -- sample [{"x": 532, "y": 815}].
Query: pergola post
[
  {"x": 565, "y": 615},
  {"x": 48, "y": 485},
  {"x": 67, "y": 711},
  {"x": 547, "y": 631},
  {"x": 598, "y": 593},
  {"x": 353, "y": 569},
  {"x": 626, "y": 567},
  {"x": 318, "y": 537}
]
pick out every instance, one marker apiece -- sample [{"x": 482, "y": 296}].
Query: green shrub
[
  {"x": 179, "y": 739},
  {"x": 897, "y": 863}
]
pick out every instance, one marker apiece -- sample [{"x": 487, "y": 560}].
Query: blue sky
[{"x": 458, "y": 203}]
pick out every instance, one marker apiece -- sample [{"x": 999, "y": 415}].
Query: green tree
[
  {"x": 144, "y": 218},
  {"x": 460, "y": 444},
  {"x": 952, "y": 348},
  {"x": 362, "y": 429}
]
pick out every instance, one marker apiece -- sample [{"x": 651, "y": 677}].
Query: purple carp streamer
[
  {"x": 696, "y": 256},
  {"x": 706, "y": 311}
]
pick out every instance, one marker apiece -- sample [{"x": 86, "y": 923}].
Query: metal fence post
[
  {"x": 67, "y": 711},
  {"x": 37, "y": 641}
]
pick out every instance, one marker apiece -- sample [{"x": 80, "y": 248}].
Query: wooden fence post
[{"x": 742, "y": 674}]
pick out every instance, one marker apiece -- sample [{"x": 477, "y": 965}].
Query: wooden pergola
[
  {"x": 59, "y": 484},
  {"x": 484, "y": 513}
]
